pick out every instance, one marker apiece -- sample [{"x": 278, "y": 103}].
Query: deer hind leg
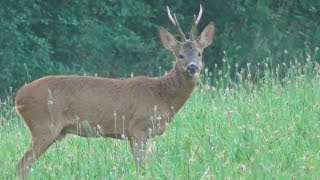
[{"x": 39, "y": 144}]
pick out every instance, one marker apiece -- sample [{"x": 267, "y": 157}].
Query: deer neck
[{"x": 177, "y": 87}]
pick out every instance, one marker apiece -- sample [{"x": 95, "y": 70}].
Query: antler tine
[
  {"x": 195, "y": 22},
  {"x": 175, "y": 23},
  {"x": 170, "y": 17},
  {"x": 199, "y": 15}
]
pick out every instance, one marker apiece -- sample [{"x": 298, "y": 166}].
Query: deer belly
[{"x": 95, "y": 123}]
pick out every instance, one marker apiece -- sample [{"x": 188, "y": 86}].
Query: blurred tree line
[{"x": 113, "y": 38}]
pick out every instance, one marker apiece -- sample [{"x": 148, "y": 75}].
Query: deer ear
[
  {"x": 168, "y": 40},
  {"x": 206, "y": 36}
]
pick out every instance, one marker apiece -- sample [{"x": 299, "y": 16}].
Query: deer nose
[{"x": 192, "y": 68}]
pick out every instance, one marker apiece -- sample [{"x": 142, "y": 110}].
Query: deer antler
[
  {"x": 195, "y": 22},
  {"x": 176, "y": 24}
]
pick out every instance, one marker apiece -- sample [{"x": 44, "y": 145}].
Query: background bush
[{"x": 113, "y": 38}]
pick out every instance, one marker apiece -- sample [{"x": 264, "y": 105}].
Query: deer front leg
[{"x": 138, "y": 144}]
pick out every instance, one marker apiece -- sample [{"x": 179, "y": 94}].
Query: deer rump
[{"x": 94, "y": 106}]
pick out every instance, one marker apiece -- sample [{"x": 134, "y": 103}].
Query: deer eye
[
  {"x": 181, "y": 56},
  {"x": 199, "y": 53}
]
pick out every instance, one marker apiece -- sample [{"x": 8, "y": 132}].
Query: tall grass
[{"x": 258, "y": 127}]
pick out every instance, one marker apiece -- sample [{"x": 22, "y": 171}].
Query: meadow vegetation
[
  {"x": 115, "y": 38},
  {"x": 262, "y": 127}
]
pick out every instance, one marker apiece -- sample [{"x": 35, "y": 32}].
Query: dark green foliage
[{"x": 114, "y": 38}]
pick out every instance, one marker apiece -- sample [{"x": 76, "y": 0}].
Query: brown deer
[{"x": 135, "y": 108}]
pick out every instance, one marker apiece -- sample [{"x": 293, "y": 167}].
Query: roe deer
[{"x": 135, "y": 108}]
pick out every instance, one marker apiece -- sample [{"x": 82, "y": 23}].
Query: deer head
[{"x": 188, "y": 52}]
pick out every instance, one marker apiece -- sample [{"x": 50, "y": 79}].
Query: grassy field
[{"x": 269, "y": 129}]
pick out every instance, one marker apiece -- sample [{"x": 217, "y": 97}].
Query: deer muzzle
[{"x": 192, "y": 69}]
